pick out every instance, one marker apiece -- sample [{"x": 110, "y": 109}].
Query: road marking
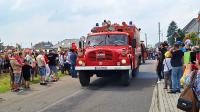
[{"x": 65, "y": 98}]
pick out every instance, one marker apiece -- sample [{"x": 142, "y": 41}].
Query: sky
[{"x": 33, "y": 21}]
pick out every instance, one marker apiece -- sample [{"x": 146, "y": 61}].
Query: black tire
[
  {"x": 84, "y": 78},
  {"x": 125, "y": 78}
]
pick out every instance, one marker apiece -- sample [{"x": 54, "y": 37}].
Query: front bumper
[{"x": 78, "y": 68}]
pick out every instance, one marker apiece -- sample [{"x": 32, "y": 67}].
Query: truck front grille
[{"x": 100, "y": 55}]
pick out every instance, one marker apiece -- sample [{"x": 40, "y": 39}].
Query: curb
[
  {"x": 160, "y": 102},
  {"x": 155, "y": 101}
]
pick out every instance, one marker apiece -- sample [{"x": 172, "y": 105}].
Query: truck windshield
[{"x": 113, "y": 39}]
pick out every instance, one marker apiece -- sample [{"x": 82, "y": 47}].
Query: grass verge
[{"x": 5, "y": 81}]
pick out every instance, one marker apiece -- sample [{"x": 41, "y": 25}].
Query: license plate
[{"x": 100, "y": 68}]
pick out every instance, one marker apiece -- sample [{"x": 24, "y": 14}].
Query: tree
[
  {"x": 18, "y": 46},
  {"x": 1, "y": 45},
  {"x": 193, "y": 36},
  {"x": 181, "y": 33},
  {"x": 171, "y": 30}
]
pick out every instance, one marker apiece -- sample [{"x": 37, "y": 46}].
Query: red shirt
[{"x": 46, "y": 59}]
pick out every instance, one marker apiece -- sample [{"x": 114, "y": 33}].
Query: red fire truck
[{"x": 110, "y": 49}]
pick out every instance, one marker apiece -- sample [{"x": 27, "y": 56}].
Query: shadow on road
[{"x": 140, "y": 81}]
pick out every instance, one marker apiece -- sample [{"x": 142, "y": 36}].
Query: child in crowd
[
  {"x": 26, "y": 72},
  {"x": 167, "y": 70}
]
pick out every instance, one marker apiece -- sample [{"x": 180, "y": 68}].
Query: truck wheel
[
  {"x": 84, "y": 78},
  {"x": 125, "y": 78}
]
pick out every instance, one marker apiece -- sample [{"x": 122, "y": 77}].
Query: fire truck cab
[{"x": 111, "y": 49}]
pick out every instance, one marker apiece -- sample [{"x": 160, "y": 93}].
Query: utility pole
[
  {"x": 162, "y": 37},
  {"x": 159, "y": 31},
  {"x": 146, "y": 39}
]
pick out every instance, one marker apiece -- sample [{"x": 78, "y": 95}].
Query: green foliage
[
  {"x": 172, "y": 28},
  {"x": 4, "y": 82},
  {"x": 181, "y": 33},
  {"x": 195, "y": 41},
  {"x": 192, "y": 35},
  {"x": 171, "y": 40},
  {"x": 1, "y": 45}
]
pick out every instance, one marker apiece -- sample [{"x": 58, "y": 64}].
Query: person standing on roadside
[
  {"x": 61, "y": 62},
  {"x": 167, "y": 70},
  {"x": 48, "y": 71},
  {"x": 177, "y": 68},
  {"x": 52, "y": 63},
  {"x": 1, "y": 63},
  {"x": 17, "y": 68},
  {"x": 159, "y": 67},
  {"x": 163, "y": 50},
  {"x": 196, "y": 81},
  {"x": 6, "y": 63},
  {"x": 41, "y": 67},
  {"x": 72, "y": 60},
  {"x": 26, "y": 72}
]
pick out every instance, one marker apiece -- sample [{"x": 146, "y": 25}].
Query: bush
[{"x": 195, "y": 41}]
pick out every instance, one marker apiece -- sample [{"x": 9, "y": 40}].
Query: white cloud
[
  {"x": 16, "y": 4},
  {"x": 55, "y": 20}
]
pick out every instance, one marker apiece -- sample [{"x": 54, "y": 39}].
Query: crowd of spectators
[
  {"x": 179, "y": 66},
  {"x": 24, "y": 66}
]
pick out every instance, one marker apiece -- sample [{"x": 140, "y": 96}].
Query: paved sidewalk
[{"x": 163, "y": 101}]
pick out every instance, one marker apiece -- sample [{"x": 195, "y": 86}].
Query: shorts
[
  {"x": 53, "y": 68},
  {"x": 42, "y": 71},
  {"x": 17, "y": 77},
  {"x": 26, "y": 77}
]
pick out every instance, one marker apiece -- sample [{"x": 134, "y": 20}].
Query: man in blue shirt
[{"x": 72, "y": 60}]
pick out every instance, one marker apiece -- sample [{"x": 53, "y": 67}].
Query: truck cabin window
[{"x": 113, "y": 39}]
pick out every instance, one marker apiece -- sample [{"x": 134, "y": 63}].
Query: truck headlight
[
  {"x": 80, "y": 62},
  {"x": 123, "y": 61}
]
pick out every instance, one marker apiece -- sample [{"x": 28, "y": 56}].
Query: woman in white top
[{"x": 167, "y": 70}]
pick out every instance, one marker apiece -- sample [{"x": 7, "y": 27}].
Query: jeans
[
  {"x": 42, "y": 71},
  {"x": 17, "y": 77},
  {"x": 167, "y": 79},
  {"x": 73, "y": 71},
  {"x": 176, "y": 76},
  {"x": 159, "y": 73},
  {"x": 53, "y": 68}
]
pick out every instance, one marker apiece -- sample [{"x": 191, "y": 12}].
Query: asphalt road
[{"x": 103, "y": 95}]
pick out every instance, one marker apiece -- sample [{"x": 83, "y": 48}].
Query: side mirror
[{"x": 134, "y": 43}]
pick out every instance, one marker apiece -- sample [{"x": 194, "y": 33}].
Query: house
[
  {"x": 43, "y": 45},
  {"x": 66, "y": 43},
  {"x": 193, "y": 26},
  {"x": 7, "y": 48}
]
